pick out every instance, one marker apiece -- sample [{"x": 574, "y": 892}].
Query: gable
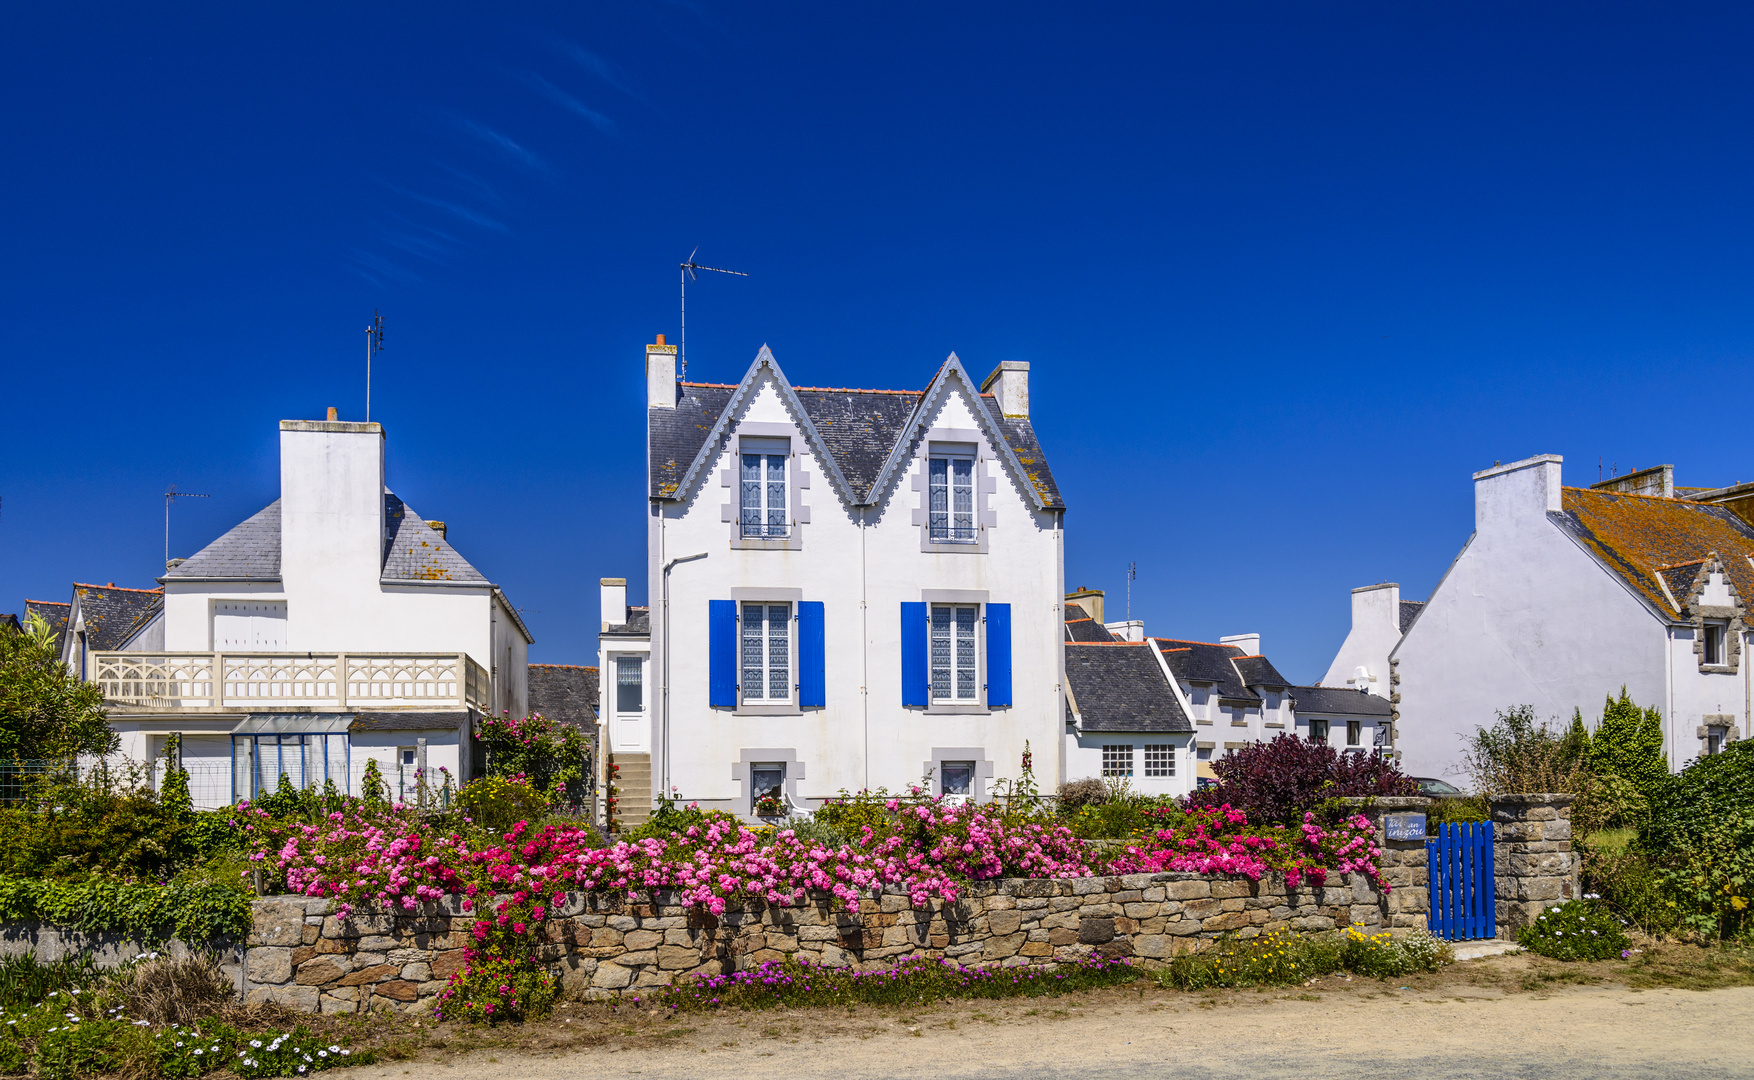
[{"x": 1656, "y": 546}]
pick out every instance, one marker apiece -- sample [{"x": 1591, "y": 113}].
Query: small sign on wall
[{"x": 1404, "y": 826}]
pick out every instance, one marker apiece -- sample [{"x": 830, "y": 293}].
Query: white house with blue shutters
[{"x": 847, "y": 589}]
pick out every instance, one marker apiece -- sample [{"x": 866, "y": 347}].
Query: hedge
[{"x": 146, "y": 913}]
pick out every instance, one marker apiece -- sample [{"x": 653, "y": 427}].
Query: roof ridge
[
  {"x": 1086, "y": 618},
  {"x": 118, "y": 588},
  {"x": 1679, "y": 565},
  {"x": 1640, "y": 495},
  {"x": 711, "y": 385},
  {"x": 1105, "y": 643},
  {"x": 577, "y": 667},
  {"x": 57, "y": 603},
  {"x": 1191, "y": 641},
  {"x": 852, "y": 390}
]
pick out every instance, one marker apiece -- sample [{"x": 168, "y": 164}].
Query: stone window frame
[
  {"x": 1698, "y": 615},
  {"x": 1724, "y": 722},
  {"x": 979, "y": 783},
  {"x": 750, "y": 757},
  {"x": 985, "y": 486},
  {"x": 796, "y": 483}
]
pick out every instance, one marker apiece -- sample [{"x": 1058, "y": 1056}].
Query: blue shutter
[
  {"x": 722, "y": 653},
  {"x": 812, "y": 683},
  {"x": 998, "y": 656},
  {"x": 915, "y": 678}
]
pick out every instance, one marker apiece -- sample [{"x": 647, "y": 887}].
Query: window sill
[
  {"x": 946, "y": 709},
  {"x": 1717, "y": 669},
  {"x": 1239, "y": 723},
  {"x": 788, "y": 708},
  {"x": 1208, "y": 723},
  {"x": 1276, "y": 723},
  {"x": 793, "y": 542}
]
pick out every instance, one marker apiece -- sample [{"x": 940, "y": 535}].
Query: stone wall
[
  {"x": 1533, "y": 861},
  {"x": 1403, "y": 864},
  {"x": 602, "y": 944}
]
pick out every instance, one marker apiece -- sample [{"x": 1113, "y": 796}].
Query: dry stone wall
[{"x": 604, "y": 945}]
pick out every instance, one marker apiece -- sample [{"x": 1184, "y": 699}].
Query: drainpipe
[
  {"x": 864, "y": 651},
  {"x": 665, "y": 736}
]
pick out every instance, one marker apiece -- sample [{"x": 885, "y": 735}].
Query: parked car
[{"x": 1438, "y": 789}]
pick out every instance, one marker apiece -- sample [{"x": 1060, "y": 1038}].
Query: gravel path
[{"x": 1578, "y": 1033}]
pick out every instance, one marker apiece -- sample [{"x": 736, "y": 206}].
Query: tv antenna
[
  {"x": 170, "y": 494},
  {"x": 1132, "y": 576},
  {"x": 374, "y": 343},
  {"x": 688, "y": 274}
]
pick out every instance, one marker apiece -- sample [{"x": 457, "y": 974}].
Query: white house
[
  {"x": 1379, "y": 618},
  {"x": 1563, "y": 595},
  {"x": 333, "y": 627},
  {"x": 848, "y": 589}
]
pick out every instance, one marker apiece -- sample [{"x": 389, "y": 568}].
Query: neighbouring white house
[
  {"x": 1564, "y": 595},
  {"x": 1379, "y": 618},
  {"x": 847, "y": 589},
  {"x": 334, "y": 627}
]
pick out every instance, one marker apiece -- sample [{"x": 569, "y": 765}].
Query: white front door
[{"x": 249, "y": 626}]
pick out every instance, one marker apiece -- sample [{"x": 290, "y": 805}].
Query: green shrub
[
  {"x": 1684, "y": 806},
  {"x": 1628, "y": 744},
  {"x": 292, "y": 1053},
  {"x": 147, "y": 913},
  {"x": 496, "y": 989},
  {"x": 912, "y": 981},
  {"x": 1711, "y": 883},
  {"x": 25, "y": 980},
  {"x": 1122, "y": 816},
  {"x": 1275, "y": 958},
  {"x": 1575, "y": 930},
  {"x": 496, "y": 803},
  {"x": 1442, "y": 811},
  {"x": 847, "y": 813},
  {"x": 669, "y": 818},
  {"x": 1383, "y": 956},
  {"x": 1075, "y": 795}
]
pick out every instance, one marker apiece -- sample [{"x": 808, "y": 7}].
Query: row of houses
[{"x": 862, "y": 588}]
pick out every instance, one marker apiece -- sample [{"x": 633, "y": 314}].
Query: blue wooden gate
[{"x": 1463, "y": 903}]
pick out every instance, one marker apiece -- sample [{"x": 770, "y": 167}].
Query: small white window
[
  {"x": 1353, "y": 732},
  {"x": 767, "y": 780},
  {"x": 955, "y": 678},
  {"x": 629, "y": 688},
  {"x": 767, "y": 652},
  {"x": 957, "y": 778},
  {"x": 951, "y": 508},
  {"x": 1714, "y": 643},
  {"x": 1117, "y": 759},
  {"x": 763, "y": 502},
  {"x": 1159, "y": 759},
  {"x": 1714, "y": 741}
]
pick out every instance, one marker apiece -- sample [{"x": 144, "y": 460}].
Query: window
[
  {"x": 1352, "y": 733},
  {"x": 767, "y": 652},
  {"x": 767, "y": 779},
  {"x": 305, "y": 759},
  {"x": 1159, "y": 759},
  {"x": 1714, "y": 741},
  {"x": 1117, "y": 759},
  {"x": 407, "y": 773},
  {"x": 951, "y": 506},
  {"x": 1714, "y": 643},
  {"x": 1318, "y": 731},
  {"x": 954, "y": 678},
  {"x": 763, "y": 497},
  {"x": 957, "y": 778},
  {"x": 628, "y": 684}
]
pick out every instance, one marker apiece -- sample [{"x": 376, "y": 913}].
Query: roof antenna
[
  {"x": 1132, "y": 576},
  {"x": 374, "y": 343},
  {"x": 688, "y": 274},
  {"x": 171, "y": 493}
]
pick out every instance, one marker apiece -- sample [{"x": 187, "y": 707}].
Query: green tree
[
  {"x": 46, "y": 712},
  {"x": 1628, "y": 743}
]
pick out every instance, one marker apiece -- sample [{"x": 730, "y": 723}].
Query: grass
[
  {"x": 1282, "y": 958},
  {"x": 1611, "y": 841},
  {"x": 1688, "y": 967}
]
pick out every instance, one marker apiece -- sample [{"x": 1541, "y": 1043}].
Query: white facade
[
  {"x": 333, "y": 628},
  {"x": 1363, "y": 660},
  {"x": 1560, "y": 598},
  {"x": 861, "y": 557}
]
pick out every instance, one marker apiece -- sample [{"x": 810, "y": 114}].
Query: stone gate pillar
[
  {"x": 1407, "y": 905},
  {"x": 1533, "y": 860}
]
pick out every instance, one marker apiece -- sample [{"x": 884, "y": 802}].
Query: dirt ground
[{"x": 1673, "y": 1012}]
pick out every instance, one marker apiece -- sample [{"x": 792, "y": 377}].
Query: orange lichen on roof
[
  {"x": 1637, "y": 535},
  {"x": 50, "y": 603}
]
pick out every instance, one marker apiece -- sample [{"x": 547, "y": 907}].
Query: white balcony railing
[{"x": 248, "y": 680}]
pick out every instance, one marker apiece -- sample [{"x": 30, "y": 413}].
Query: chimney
[
  {"x": 1379, "y": 605},
  {"x": 1009, "y": 385},
  {"x": 1250, "y": 644},
  {"x": 331, "y": 513},
  {"x": 1509, "y": 496},
  {"x": 437, "y": 527},
  {"x": 614, "y": 602},
  {"x": 1657, "y": 480},
  {"x": 661, "y": 375},
  {"x": 332, "y": 414},
  {"x": 1130, "y": 630},
  {"x": 1088, "y": 599}
]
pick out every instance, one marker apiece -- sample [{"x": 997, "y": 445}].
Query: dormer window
[
  {"x": 1714, "y": 643},
  {"x": 764, "y": 495},
  {"x": 951, "y": 490}
]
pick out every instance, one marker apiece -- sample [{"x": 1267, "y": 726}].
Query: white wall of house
[
  {"x": 1523, "y": 617},
  {"x": 1363, "y": 659},
  {"x": 1338, "y": 732},
  {"x": 1085, "y": 758},
  {"x": 862, "y": 564}
]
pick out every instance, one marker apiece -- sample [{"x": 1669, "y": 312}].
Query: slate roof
[
  {"x": 413, "y": 552},
  {"x": 565, "y": 693},
  {"x": 1259, "y": 671},
  {"x": 448, "y": 720},
  {"x": 1337, "y": 701},
  {"x": 1636, "y": 537},
  {"x": 638, "y": 624},
  {"x": 249, "y": 552},
  {"x": 1409, "y": 611},
  {"x": 1118, "y": 686},
  {"x": 110, "y": 613},
  {"x": 9, "y": 621},
  {"x": 1680, "y": 579},
  {"x": 54, "y": 612},
  {"x": 1202, "y": 661},
  {"x": 1086, "y": 630},
  {"x": 859, "y": 430}
]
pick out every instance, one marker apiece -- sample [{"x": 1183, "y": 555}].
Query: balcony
[{"x": 166, "y": 680}]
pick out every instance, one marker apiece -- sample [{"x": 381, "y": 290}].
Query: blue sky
[{"x": 1286, "y": 274}]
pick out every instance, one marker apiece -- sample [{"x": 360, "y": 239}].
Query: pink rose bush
[{"x": 1218, "y": 840}]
